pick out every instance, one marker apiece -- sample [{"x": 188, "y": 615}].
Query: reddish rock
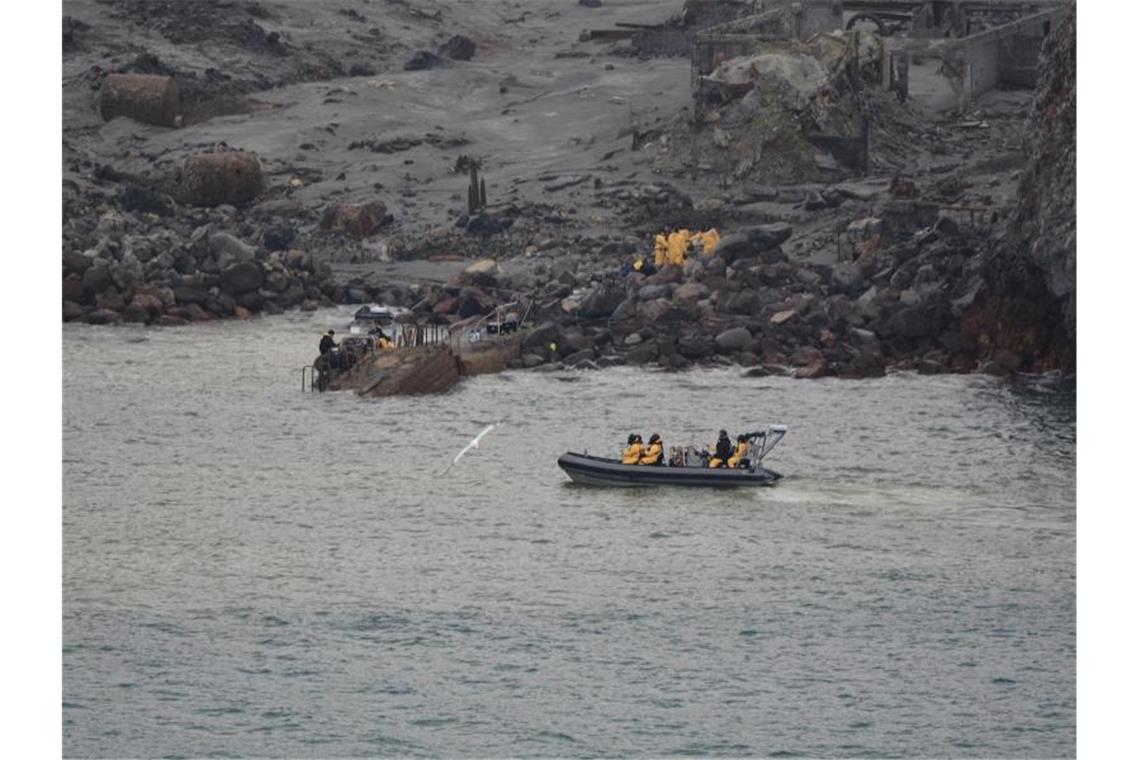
[
  {"x": 357, "y": 220},
  {"x": 691, "y": 291},
  {"x": 446, "y": 306},
  {"x": 812, "y": 371},
  {"x": 805, "y": 356}
]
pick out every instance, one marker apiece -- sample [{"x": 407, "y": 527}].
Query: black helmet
[
  {"x": 332, "y": 332},
  {"x": 724, "y": 434},
  {"x": 632, "y": 438},
  {"x": 742, "y": 437},
  {"x": 655, "y": 438}
]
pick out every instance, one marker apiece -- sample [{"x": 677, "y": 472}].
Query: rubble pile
[{"x": 760, "y": 116}]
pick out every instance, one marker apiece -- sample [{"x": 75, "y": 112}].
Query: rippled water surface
[{"x": 253, "y": 571}]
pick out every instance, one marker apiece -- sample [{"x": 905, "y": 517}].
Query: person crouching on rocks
[
  {"x": 328, "y": 342},
  {"x": 655, "y": 451},
  {"x": 632, "y": 454}
]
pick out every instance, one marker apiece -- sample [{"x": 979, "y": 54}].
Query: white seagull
[{"x": 473, "y": 445}]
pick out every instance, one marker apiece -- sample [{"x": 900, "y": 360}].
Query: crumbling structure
[
  {"x": 809, "y": 78},
  {"x": 980, "y": 44}
]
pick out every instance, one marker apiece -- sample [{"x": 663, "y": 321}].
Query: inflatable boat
[{"x": 685, "y": 467}]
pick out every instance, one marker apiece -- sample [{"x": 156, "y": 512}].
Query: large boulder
[
  {"x": 743, "y": 302},
  {"x": 458, "y": 48},
  {"x": 76, "y": 263},
  {"x": 695, "y": 347},
  {"x": 423, "y": 59},
  {"x": 71, "y": 311},
  {"x": 97, "y": 279},
  {"x": 805, "y": 356},
  {"x": 766, "y": 236},
  {"x": 627, "y": 309},
  {"x": 734, "y": 246},
  {"x": 602, "y": 301},
  {"x": 227, "y": 249},
  {"x": 472, "y": 302},
  {"x": 691, "y": 291},
  {"x": 650, "y": 312},
  {"x": 103, "y": 317},
  {"x": 73, "y": 289},
  {"x": 242, "y": 277},
  {"x": 650, "y": 292},
  {"x": 759, "y": 240},
  {"x": 642, "y": 353},
  {"x": 911, "y": 323},
  {"x": 732, "y": 340},
  {"x": 541, "y": 336}
]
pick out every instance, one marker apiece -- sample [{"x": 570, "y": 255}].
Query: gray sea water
[{"x": 254, "y": 571}]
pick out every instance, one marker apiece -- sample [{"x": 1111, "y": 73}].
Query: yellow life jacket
[
  {"x": 385, "y": 344},
  {"x": 631, "y": 455},
  {"x": 653, "y": 455},
  {"x": 741, "y": 450},
  {"x": 709, "y": 241},
  {"x": 660, "y": 250},
  {"x": 679, "y": 247}
]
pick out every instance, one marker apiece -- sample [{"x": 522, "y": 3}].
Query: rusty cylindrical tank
[
  {"x": 209, "y": 179},
  {"x": 147, "y": 98}
]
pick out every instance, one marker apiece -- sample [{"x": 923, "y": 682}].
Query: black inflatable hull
[{"x": 598, "y": 471}]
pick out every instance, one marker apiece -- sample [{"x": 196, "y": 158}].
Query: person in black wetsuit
[
  {"x": 724, "y": 450},
  {"x": 328, "y": 343}
]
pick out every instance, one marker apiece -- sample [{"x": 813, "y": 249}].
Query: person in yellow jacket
[
  {"x": 660, "y": 250},
  {"x": 632, "y": 454},
  {"x": 383, "y": 342},
  {"x": 741, "y": 451},
  {"x": 654, "y": 453},
  {"x": 708, "y": 240},
  {"x": 679, "y": 247}
]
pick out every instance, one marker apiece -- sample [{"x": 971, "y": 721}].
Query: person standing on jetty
[{"x": 328, "y": 343}]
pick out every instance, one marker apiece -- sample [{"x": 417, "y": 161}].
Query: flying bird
[{"x": 473, "y": 445}]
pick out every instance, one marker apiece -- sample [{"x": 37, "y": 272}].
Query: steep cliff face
[{"x": 1030, "y": 312}]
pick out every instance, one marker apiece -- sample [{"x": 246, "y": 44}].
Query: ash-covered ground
[{"x": 365, "y": 117}]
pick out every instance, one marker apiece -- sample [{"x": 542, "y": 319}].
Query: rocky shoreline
[{"x": 848, "y": 278}]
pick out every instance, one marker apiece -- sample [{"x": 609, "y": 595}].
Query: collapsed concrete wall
[{"x": 976, "y": 64}]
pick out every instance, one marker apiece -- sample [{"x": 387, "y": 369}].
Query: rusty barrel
[
  {"x": 148, "y": 98},
  {"x": 209, "y": 179}
]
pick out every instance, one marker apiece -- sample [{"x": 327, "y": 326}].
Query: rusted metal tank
[
  {"x": 209, "y": 179},
  {"x": 148, "y": 98}
]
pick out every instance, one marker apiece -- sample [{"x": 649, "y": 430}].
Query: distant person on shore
[
  {"x": 655, "y": 451},
  {"x": 632, "y": 454},
  {"x": 661, "y": 249},
  {"x": 328, "y": 342},
  {"x": 382, "y": 340}
]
